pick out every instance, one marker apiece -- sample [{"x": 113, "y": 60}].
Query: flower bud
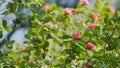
[
  {"x": 75, "y": 10},
  {"x": 56, "y": 25},
  {"x": 76, "y": 36},
  {"x": 95, "y": 17},
  {"x": 91, "y": 26},
  {"x": 46, "y": 7},
  {"x": 85, "y": 2},
  {"x": 111, "y": 9},
  {"x": 48, "y": 23},
  {"x": 31, "y": 60},
  {"x": 23, "y": 48},
  {"x": 68, "y": 11},
  {"x": 90, "y": 45}
]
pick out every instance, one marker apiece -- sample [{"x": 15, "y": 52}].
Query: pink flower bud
[
  {"x": 23, "y": 48},
  {"x": 46, "y": 7},
  {"x": 76, "y": 36},
  {"x": 111, "y": 9},
  {"x": 56, "y": 25},
  {"x": 31, "y": 60},
  {"x": 85, "y": 2},
  {"x": 95, "y": 17},
  {"x": 91, "y": 26},
  {"x": 90, "y": 45},
  {"x": 68, "y": 11},
  {"x": 48, "y": 23},
  {"x": 75, "y": 10}
]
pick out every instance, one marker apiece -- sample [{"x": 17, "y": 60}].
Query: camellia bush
[{"x": 58, "y": 37}]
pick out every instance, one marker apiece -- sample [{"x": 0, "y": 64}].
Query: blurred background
[{"x": 73, "y": 3}]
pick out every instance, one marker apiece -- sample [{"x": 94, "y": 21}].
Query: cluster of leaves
[{"x": 65, "y": 38}]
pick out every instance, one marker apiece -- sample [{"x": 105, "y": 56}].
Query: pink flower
[
  {"x": 56, "y": 25},
  {"x": 95, "y": 17},
  {"x": 85, "y": 2},
  {"x": 111, "y": 9},
  {"x": 75, "y": 10},
  {"x": 90, "y": 45},
  {"x": 31, "y": 60},
  {"x": 46, "y": 7},
  {"x": 91, "y": 26},
  {"x": 76, "y": 36},
  {"x": 23, "y": 48},
  {"x": 68, "y": 11},
  {"x": 48, "y": 23}
]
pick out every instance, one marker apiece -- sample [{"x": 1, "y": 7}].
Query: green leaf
[
  {"x": 4, "y": 23},
  {"x": 11, "y": 7},
  {"x": 65, "y": 36},
  {"x": 1, "y": 34},
  {"x": 9, "y": 29},
  {"x": 90, "y": 53}
]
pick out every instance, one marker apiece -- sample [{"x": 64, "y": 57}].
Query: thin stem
[{"x": 113, "y": 30}]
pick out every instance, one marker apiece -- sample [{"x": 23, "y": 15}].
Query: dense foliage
[{"x": 64, "y": 37}]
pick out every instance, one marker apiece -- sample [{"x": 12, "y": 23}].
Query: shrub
[{"x": 64, "y": 38}]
